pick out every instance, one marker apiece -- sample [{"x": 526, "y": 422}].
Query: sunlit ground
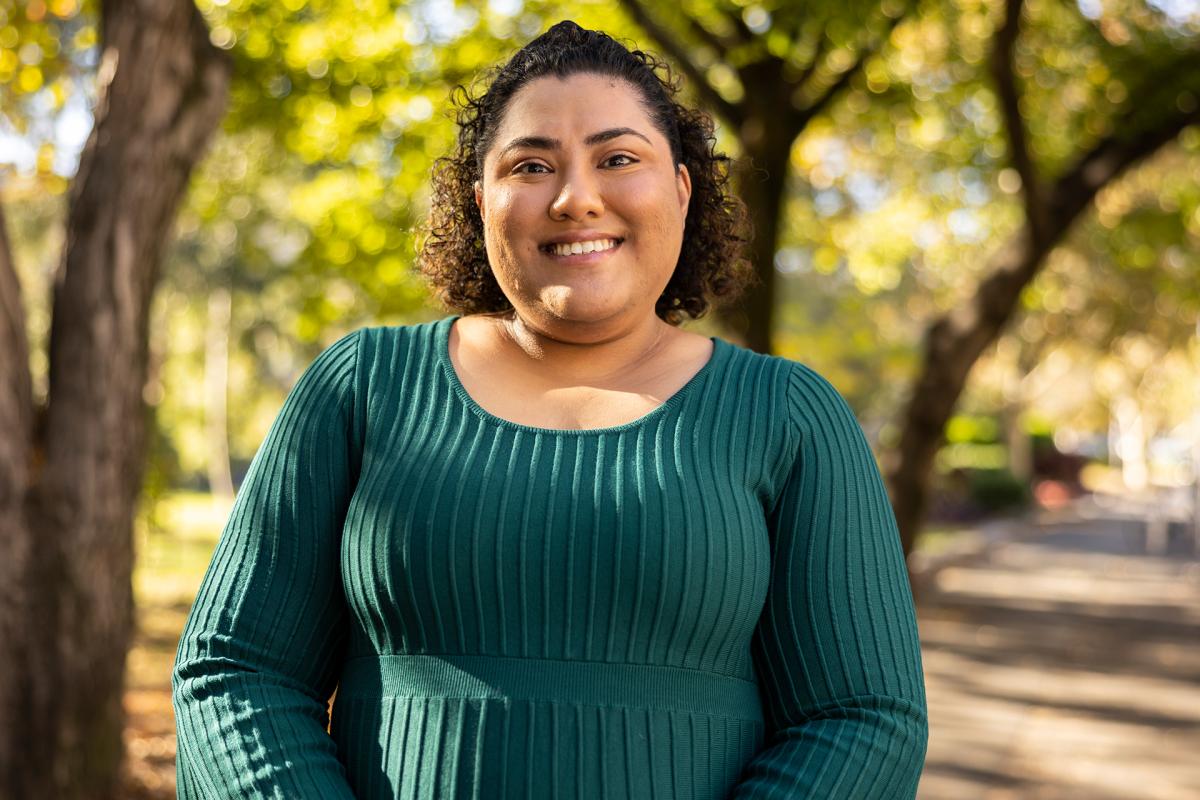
[
  {"x": 1063, "y": 663},
  {"x": 170, "y": 566}
]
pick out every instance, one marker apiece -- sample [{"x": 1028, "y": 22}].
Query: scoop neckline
[{"x": 443, "y": 355}]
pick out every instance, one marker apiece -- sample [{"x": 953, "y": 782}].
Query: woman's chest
[
  {"x": 647, "y": 545},
  {"x": 570, "y": 409}
]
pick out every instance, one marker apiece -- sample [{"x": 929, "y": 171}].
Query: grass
[
  {"x": 171, "y": 558},
  {"x": 937, "y": 539}
]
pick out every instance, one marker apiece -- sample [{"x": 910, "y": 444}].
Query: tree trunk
[
  {"x": 162, "y": 89},
  {"x": 24, "y": 617},
  {"x": 761, "y": 178}
]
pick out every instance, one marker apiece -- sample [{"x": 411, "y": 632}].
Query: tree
[
  {"x": 1160, "y": 103},
  {"x": 71, "y": 470}
]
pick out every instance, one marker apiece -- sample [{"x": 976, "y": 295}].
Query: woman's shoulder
[
  {"x": 368, "y": 340},
  {"x": 794, "y": 377},
  {"x": 391, "y": 357},
  {"x": 381, "y": 345},
  {"x": 798, "y": 389},
  {"x": 402, "y": 333}
]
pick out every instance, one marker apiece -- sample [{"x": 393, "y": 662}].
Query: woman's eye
[{"x": 534, "y": 168}]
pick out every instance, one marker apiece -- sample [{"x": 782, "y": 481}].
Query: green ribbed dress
[{"x": 707, "y": 602}]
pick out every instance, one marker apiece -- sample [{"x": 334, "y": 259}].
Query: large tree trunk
[
  {"x": 762, "y": 181},
  {"x": 25, "y": 629},
  {"x": 162, "y": 88},
  {"x": 952, "y": 345}
]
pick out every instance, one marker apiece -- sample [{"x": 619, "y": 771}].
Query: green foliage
[
  {"x": 48, "y": 56},
  {"x": 993, "y": 490},
  {"x": 905, "y": 188},
  {"x": 974, "y": 429},
  {"x": 971, "y": 455}
]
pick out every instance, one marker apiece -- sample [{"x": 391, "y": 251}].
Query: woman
[{"x": 552, "y": 545}]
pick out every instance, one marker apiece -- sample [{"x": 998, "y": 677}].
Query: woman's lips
[{"x": 582, "y": 259}]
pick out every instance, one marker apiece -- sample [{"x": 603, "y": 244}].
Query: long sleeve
[
  {"x": 836, "y": 649},
  {"x": 260, "y": 653}
]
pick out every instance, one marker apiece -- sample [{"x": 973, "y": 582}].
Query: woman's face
[{"x": 579, "y": 160}]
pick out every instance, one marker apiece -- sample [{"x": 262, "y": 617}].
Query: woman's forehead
[{"x": 551, "y": 104}]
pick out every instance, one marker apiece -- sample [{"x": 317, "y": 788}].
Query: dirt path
[{"x": 1064, "y": 662}]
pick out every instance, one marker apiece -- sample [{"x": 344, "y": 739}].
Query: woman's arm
[
  {"x": 260, "y": 653},
  {"x": 836, "y": 649}
]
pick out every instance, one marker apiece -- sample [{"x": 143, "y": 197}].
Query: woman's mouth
[{"x": 582, "y": 252}]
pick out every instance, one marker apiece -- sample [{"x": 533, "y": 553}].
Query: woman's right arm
[{"x": 262, "y": 647}]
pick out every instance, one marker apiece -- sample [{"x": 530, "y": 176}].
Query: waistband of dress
[{"x": 571, "y": 682}]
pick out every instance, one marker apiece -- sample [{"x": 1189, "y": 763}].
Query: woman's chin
[{"x": 570, "y": 305}]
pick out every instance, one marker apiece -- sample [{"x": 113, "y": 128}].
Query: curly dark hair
[{"x": 712, "y": 266}]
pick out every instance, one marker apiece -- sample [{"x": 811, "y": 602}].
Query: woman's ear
[
  {"x": 685, "y": 187},
  {"x": 479, "y": 197}
]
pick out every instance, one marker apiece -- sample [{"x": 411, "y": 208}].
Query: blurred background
[{"x": 979, "y": 219}]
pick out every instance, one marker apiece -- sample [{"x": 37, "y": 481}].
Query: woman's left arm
[{"x": 836, "y": 649}]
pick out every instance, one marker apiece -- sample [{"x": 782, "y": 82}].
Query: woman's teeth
[{"x": 578, "y": 248}]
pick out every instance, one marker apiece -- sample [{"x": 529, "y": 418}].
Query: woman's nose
[{"x": 578, "y": 197}]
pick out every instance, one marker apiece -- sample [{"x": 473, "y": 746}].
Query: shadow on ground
[{"x": 1063, "y": 661}]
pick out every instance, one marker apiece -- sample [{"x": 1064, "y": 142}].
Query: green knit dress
[{"x": 707, "y": 602}]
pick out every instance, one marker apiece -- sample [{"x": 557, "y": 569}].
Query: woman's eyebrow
[{"x": 545, "y": 143}]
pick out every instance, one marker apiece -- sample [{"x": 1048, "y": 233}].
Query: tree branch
[
  {"x": 1010, "y": 110},
  {"x": 818, "y": 56},
  {"x": 721, "y": 44},
  {"x": 730, "y": 112},
  {"x": 843, "y": 80},
  {"x": 1130, "y": 142}
]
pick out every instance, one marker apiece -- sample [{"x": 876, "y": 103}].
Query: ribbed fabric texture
[{"x": 708, "y": 602}]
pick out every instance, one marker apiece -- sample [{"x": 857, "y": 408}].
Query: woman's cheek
[{"x": 651, "y": 209}]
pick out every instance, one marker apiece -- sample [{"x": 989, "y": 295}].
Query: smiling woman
[
  {"x": 577, "y": 186},
  {"x": 710, "y": 265},
  {"x": 552, "y": 545}
]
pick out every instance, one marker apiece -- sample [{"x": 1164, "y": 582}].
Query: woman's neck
[{"x": 608, "y": 360}]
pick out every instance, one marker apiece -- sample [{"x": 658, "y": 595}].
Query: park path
[{"x": 1062, "y": 661}]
